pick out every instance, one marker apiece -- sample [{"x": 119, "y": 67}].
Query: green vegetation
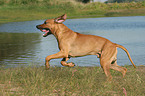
[
  {"x": 23, "y": 10},
  {"x": 64, "y": 81},
  {"x": 123, "y": 1}
]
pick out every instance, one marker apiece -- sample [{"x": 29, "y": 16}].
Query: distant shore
[{"x": 44, "y": 10}]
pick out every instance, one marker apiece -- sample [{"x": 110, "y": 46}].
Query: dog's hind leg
[
  {"x": 106, "y": 67},
  {"x": 64, "y": 62},
  {"x": 107, "y": 55},
  {"x": 105, "y": 64},
  {"x": 116, "y": 67}
]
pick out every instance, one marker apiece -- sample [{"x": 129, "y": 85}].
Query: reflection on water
[
  {"x": 21, "y": 43},
  {"x": 16, "y": 48}
]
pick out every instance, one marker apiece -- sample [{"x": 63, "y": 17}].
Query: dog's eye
[{"x": 45, "y": 22}]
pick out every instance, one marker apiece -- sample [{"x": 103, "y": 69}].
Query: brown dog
[{"x": 73, "y": 44}]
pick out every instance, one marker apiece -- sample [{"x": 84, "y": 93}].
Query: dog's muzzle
[{"x": 46, "y": 31}]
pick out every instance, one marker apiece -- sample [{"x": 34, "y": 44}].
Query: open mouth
[{"x": 46, "y": 31}]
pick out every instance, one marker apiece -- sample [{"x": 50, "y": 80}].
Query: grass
[
  {"x": 25, "y": 10},
  {"x": 64, "y": 81}
]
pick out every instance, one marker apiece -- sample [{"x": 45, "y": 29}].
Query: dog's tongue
[{"x": 46, "y": 32}]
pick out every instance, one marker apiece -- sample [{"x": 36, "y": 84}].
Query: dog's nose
[{"x": 38, "y": 27}]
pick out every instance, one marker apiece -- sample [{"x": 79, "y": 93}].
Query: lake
[{"x": 21, "y": 44}]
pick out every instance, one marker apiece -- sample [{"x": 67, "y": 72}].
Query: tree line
[{"x": 111, "y": 1}]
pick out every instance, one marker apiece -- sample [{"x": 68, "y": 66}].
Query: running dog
[{"x": 73, "y": 44}]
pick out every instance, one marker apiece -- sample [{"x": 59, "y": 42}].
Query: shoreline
[{"x": 73, "y": 17}]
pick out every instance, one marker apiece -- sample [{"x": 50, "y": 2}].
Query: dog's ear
[{"x": 60, "y": 19}]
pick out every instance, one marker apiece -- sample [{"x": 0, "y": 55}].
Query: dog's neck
[{"x": 62, "y": 31}]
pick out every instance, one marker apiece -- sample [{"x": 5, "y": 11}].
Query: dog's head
[{"x": 49, "y": 25}]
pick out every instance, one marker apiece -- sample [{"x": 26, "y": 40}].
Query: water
[{"x": 22, "y": 44}]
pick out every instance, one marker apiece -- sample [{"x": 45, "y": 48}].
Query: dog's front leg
[{"x": 54, "y": 56}]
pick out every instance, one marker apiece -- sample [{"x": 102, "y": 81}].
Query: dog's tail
[{"x": 120, "y": 46}]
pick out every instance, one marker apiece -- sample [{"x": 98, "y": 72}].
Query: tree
[{"x": 84, "y": 1}]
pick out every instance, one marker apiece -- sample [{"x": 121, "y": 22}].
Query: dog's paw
[
  {"x": 47, "y": 67},
  {"x": 71, "y": 64}
]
